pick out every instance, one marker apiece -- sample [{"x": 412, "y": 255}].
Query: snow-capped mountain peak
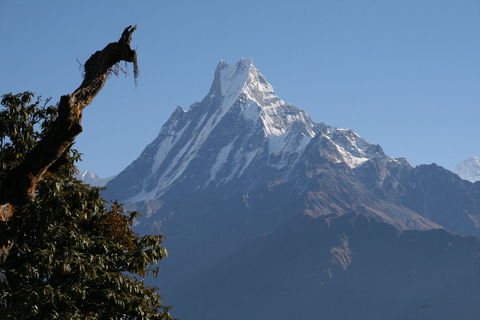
[
  {"x": 242, "y": 144},
  {"x": 93, "y": 179},
  {"x": 242, "y": 81},
  {"x": 242, "y": 77},
  {"x": 469, "y": 169},
  {"x": 232, "y": 78},
  {"x": 240, "y": 126}
]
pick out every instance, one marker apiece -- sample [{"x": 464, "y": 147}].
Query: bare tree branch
[{"x": 20, "y": 183}]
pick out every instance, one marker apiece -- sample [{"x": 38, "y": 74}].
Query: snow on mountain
[
  {"x": 267, "y": 129},
  {"x": 93, "y": 179},
  {"x": 353, "y": 149},
  {"x": 243, "y": 143},
  {"x": 469, "y": 169}
]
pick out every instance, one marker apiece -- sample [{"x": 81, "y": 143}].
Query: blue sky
[{"x": 402, "y": 74}]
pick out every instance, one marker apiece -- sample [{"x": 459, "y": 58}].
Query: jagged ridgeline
[{"x": 257, "y": 200}]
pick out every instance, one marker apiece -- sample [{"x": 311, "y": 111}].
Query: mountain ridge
[
  {"x": 242, "y": 138},
  {"x": 343, "y": 267},
  {"x": 288, "y": 129}
]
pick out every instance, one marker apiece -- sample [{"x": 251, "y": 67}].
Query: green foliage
[
  {"x": 22, "y": 124},
  {"x": 74, "y": 256}
]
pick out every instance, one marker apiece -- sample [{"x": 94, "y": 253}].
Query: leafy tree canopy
[{"x": 71, "y": 255}]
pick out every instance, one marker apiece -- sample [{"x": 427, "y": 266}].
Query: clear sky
[{"x": 402, "y": 74}]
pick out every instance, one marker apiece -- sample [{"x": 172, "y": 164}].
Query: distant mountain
[
  {"x": 93, "y": 179},
  {"x": 258, "y": 201},
  {"x": 242, "y": 144},
  {"x": 469, "y": 169}
]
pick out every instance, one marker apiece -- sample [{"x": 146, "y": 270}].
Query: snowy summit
[
  {"x": 469, "y": 169},
  {"x": 241, "y": 124},
  {"x": 93, "y": 179}
]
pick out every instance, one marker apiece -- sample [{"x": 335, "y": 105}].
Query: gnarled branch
[{"x": 20, "y": 183}]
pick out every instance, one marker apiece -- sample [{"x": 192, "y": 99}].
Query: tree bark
[
  {"x": 20, "y": 183},
  {"x": 18, "y": 187}
]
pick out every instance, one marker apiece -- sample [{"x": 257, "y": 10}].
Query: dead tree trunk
[
  {"x": 18, "y": 187},
  {"x": 20, "y": 183}
]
